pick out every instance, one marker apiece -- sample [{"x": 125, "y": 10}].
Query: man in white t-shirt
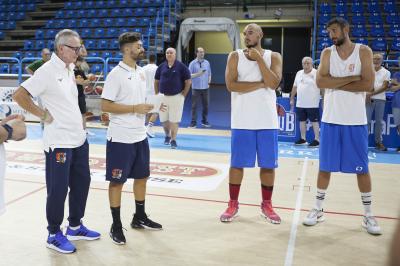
[
  {"x": 64, "y": 138},
  {"x": 128, "y": 153},
  {"x": 150, "y": 70},
  {"x": 252, "y": 76},
  {"x": 376, "y": 100},
  {"x": 11, "y": 128},
  {"x": 307, "y": 103}
]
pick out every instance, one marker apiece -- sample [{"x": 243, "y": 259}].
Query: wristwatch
[{"x": 9, "y": 130}]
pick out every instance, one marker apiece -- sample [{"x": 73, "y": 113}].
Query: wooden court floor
[{"x": 193, "y": 234}]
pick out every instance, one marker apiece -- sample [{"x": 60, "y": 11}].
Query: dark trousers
[
  {"x": 203, "y": 94},
  {"x": 66, "y": 167}
]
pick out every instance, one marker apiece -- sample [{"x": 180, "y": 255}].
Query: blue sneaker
[
  {"x": 82, "y": 233},
  {"x": 60, "y": 243}
]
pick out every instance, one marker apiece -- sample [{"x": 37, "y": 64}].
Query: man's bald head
[
  {"x": 252, "y": 35},
  {"x": 170, "y": 55}
]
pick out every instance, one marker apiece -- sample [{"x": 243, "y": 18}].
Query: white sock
[
  {"x": 150, "y": 124},
  {"x": 320, "y": 197},
  {"x": 52, "y": 235},
  {"x": 366, "y": 199},
  {"x": 75, "y": 227}
]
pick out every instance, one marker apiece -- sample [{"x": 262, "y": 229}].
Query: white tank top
[
  {"x": 2, "y": 173},
  {"x": 343, "y": 107},
  {"x": 256, "y": 109}
]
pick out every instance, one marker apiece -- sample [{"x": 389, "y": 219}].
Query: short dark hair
[
  {"x": 128, "y": 37},
  {"x": 152, "y": 58},
  {"x": 338, "y": 20}
]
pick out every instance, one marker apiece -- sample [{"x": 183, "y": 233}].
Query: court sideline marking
[{"x": 296, "y": 216}]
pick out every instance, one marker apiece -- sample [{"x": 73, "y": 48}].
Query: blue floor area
[{"x": 205, "y": 143}]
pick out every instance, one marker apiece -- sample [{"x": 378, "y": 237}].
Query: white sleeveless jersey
[
  {"x": 2, "y": 174},
  {"x": 343, "y": 107},
  {"x": 256, "y": 109}
]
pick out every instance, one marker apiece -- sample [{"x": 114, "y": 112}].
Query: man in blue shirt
[
  {"x": 395, "y": 87},
  {"x": 201, "y": 78},
  {"x": 173, "y": 80}
]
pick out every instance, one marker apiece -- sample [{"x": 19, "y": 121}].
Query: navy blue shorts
[
  {"x": 343, "y": 148},
  {"x": 311, "y": 114},
  {"x": 125, "y": 161},
  {"x": 246, "y": 145}
]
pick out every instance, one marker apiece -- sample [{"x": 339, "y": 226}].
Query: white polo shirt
[
  {"x": 308, "y": 94},
  {"x": 150, "y": 71},
  {"x": 55, "y": 84},
  {"x": 381, "y": 76},
  {"x": 125, "y": 85}
]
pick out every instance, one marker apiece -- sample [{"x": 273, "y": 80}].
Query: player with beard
[
  {"x": 128, "y": 154},
  {"x": 252, "y": 75},
  {"x": 346, "y": 71}
]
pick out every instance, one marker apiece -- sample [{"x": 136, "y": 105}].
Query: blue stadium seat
[
  {"x": 323, "y": 43},
  {"x": 375, "y": 18},
  {"x": 131, "y": 22},
  {"x": 93, "y": 54},
  {"x": 40, "y": 44},
  {"x": 2, "y": 35},
  {"x": 394, "y": 30},
  {"x": 123, "y": 30},
  {"x": 81, "y": 13},
  {"x": 116, "y": 12},
  {"x": 96, "y": 68},
  {"x": 99, "y": 33},
  {"x": 324, "y": 8},
  {"x": 77, "y": 5},
  {"x": 144, "y": 21},
  {"x": 151, "y": 12},
  {"x": 100, "y": 4},
  {"x": 127, "y": 12},
  {"x": 118, "y": 54},
  {"x": 393, "y": 18},
  {"x": 112, "y": 32},
  {"x": 72, "y": 23},
  {"x": 358, "y": 18},
  {"x": 91, "y": 13},
  {"x": 322, "y": 32},
  {"x": 139, "y": 12},
  {"x": 323, "y": 19},
  {"x": 18, "y": 55},
  {"x": 341, "y": 15},
  {"x": 341, "y": 7},
  {"x": 102, "y": 44},
  {"x": 11, "y": 25},
  {"x": 68, "y": 5},
  {"x": 83, "y": 23},
  {"x": 106, "y": 54},
  {"x": 139, "y": 30},
  {"x": 21, "y": 7},
  {"x": 28, "y": 45},
  {"x": 379, "y": 44},
  {"x": 119, "y": 22},
  {"x": 60, "y": 14},
  {"x": 124, "y": 3},
  {"x": 90, "y": 44},
  {"x": 357, "y": 7},
  {"x": 373, "y": 7},
  {"x": 20, "y": 15},
  {"x": 395, "y": 45},
  {"x": 86, "y": 33},
  {"x": 60, "y": 23},
  {"x": 377, "y": 30},
  {"x": 50, "y": 44},
  {"x": 103, "y": 13},
  {"x": 114, "y": 45},
  {"x": 50, "y": 34},
  {"x": 4, "y": 68},
  {"x": 88, "y": 5},
  {"x": 111, "y": 3},
  {"x": 50, "y": 24},
  {"x": 14, "y": 69},
  {"x": 29, "y": 54},
  {"x": 95, "y": 23},
  {"x": 39, "y": 34},
  {"x": 362, "y": 41},
  {"x": 389, "y": 6},
  {"x": 359, "y": 31}
]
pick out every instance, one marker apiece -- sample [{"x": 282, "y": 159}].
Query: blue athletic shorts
[
  {"x": 343, "y": 148},
  {"x": 127, "y": 161},
  {"x": 247, "y": 144}
]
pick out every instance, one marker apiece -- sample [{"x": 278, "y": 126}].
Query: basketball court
[{"x": 187, "y": 192}]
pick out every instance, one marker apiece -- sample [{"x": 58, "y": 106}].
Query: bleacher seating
[{"x": 373, "y": 22}]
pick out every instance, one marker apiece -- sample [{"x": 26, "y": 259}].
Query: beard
[
  {"x": 339, "y": 41},
  {"x": 251, "y": 45},
  {"x": 138, "y": 56}
]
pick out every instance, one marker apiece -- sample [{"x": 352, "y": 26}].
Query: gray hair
[
  {"x": 306, "y": 58},
  {"x": 62, "y": 37}
]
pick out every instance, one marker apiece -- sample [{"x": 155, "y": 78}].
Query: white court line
[{"x": 296, "y": 216}]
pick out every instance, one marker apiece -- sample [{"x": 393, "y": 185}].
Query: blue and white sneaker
[
  {"x": 82, "y": 233},
  {"x": 60, "y": 243}
]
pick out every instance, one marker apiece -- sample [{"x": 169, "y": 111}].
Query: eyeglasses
[{"x": 75, "y": 49}]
